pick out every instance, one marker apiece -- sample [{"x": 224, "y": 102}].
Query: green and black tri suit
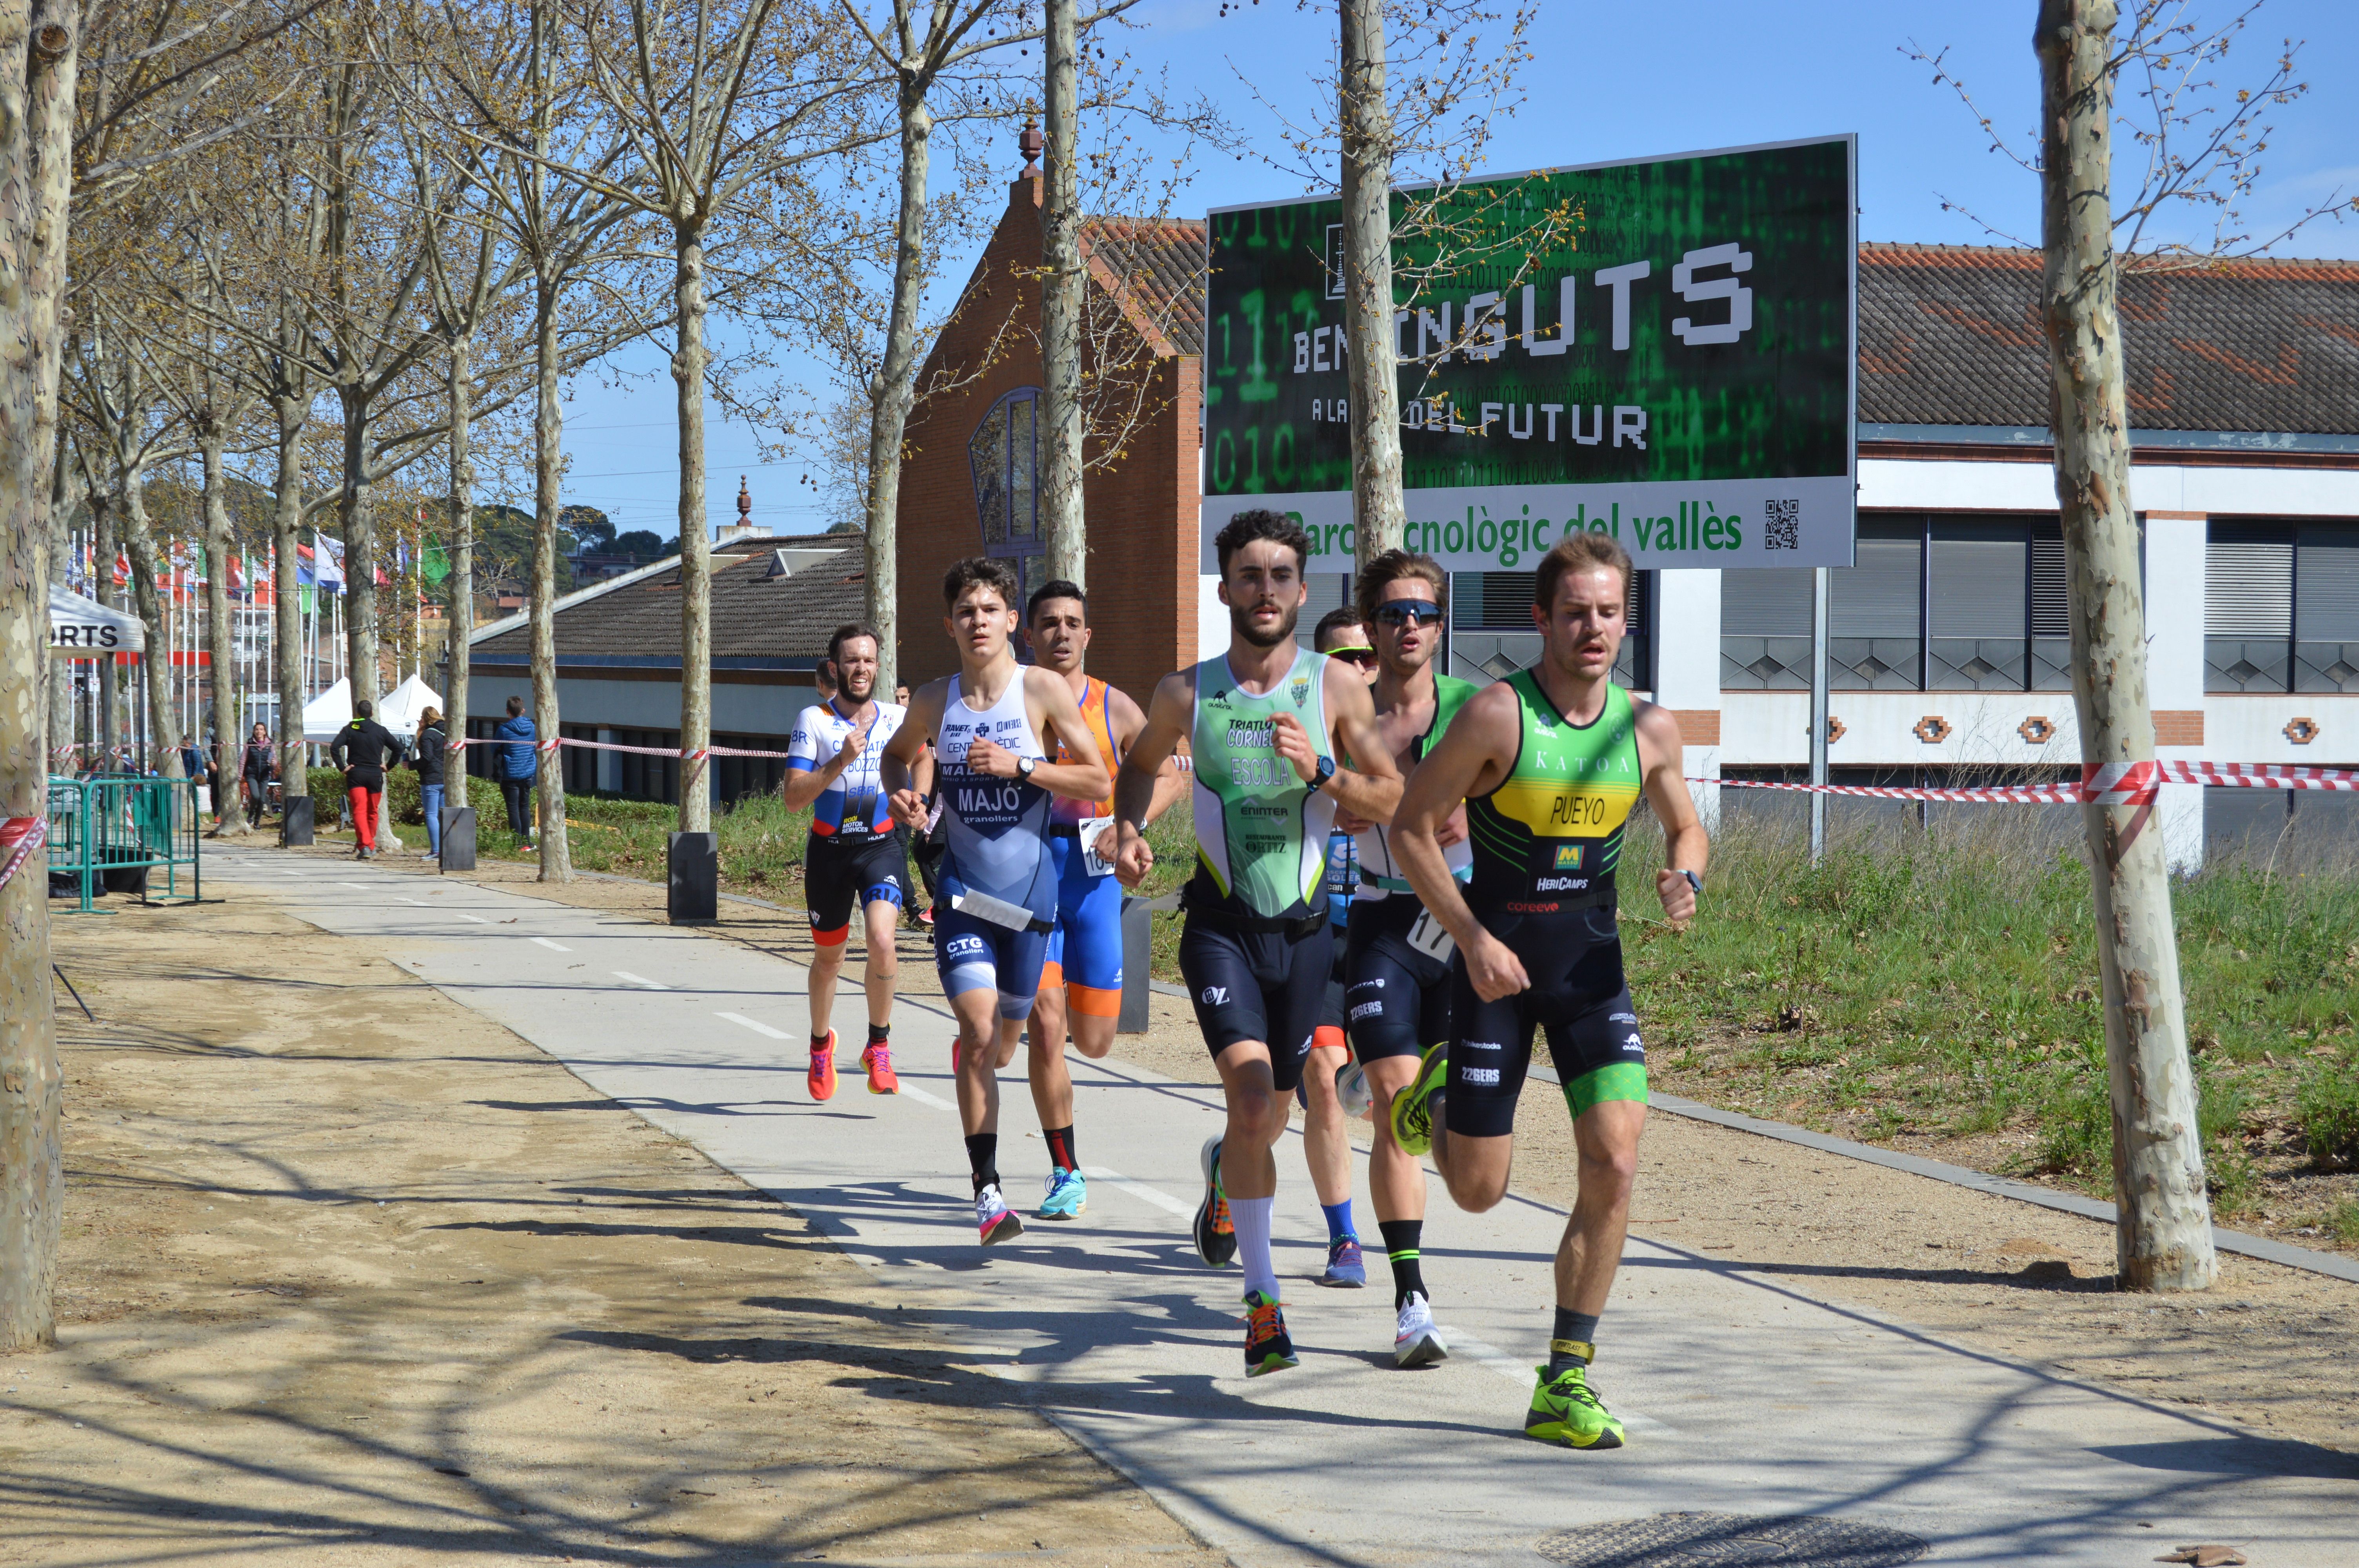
[
  {"x": 1546, "y": 842},
  {"x": 1256, "y": 946}
]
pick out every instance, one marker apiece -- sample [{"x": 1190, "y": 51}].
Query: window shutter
[
  {"x": 1769, "y": 601},
  {"x": 2248, "y": 587},
  {"x": 2051, "y": 614},
  {"x": 1876, "y": 598},
  {"x": 2327, "y": 584},
  {"x": 1978, "y": 579}
]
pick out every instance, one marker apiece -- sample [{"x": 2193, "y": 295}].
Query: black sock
[
  {"x": 1061, "y": 1147},
  {"x": 982, "y": 1158},
  {"x": 1574, "y": 1342},
  {"x": 819, "y": 1041},
  {"x": 1401, "y": 1238},
  {"x": 878, "y": 1034}
]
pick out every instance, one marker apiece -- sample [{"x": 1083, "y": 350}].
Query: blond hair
[{"x": 1578, "y": 552}]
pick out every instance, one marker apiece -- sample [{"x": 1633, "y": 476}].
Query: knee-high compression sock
[
  {"x": 1061, "y": 1147},
  {"x": 1252, "y": 1217},
  {"x": 1402, "y": 1237},
  {"x": 1338, "y": 1220},
  {"x": 1575, "y": 1341},
  {"x": 982, "y": 1158}
]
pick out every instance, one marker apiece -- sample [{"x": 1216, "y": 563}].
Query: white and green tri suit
[{"x": 1257, "y": 946}]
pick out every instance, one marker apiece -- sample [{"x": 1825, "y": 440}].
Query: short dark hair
[
  {"x": 1579, "y": 552},
  {"x": 981, "y": 571},
  {"x": 846, "y": 632},
  {"x": 1335, "y": 620},
  {"x": 1390, "y": 568},
  {"x": 1055, "y": 588},
  {"x": 516, "y": 707},
  {"x": 1261, "y": 523},
  {"x": 364, "y": 709}
]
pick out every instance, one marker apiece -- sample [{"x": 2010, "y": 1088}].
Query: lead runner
[
  {"x": 1549, "y": 763},
  {"x": 1266, "y": 725},
  {"x": 998, "y": 881}
]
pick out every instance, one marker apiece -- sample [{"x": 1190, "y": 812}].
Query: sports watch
[
  {"x": 1326, "y": 771},
  {"x": 1024, "y": 766}
]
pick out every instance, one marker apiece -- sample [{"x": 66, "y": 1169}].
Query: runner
[
  {"x": 998, "y": 882},
  {"x": 1326, "y": 1143},
  {"x": 1396, "y": 980},
  {"x": 1082, "y": 977},
  {"x": 1549, "y": 763},
  {"x": 854, "y": 856},
  {"x": 1265, "y": 726}
]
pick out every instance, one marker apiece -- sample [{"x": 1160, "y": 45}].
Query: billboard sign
[{"x": 1671, "y": 360}]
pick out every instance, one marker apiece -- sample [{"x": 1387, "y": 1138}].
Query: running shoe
[
  {"x": 1068, "y": 1194},
  {"x": 1351, "y": 1090},
  {"x": 1412, "y": 1109},
  {"x": 877, "y": 1061},
  {"x": 1216, "y": 1238},
  {"x": 1345, "y": 1266},
  {"x": 926, "y": 917},
  {"x": 994, "y": 1220},
  {"x": 1565, "y": 1412},
  {"x": 1268, "y": 1348},
  {"x": 1416, "y": 1341},
  {"x": 822, "y": 1069}
]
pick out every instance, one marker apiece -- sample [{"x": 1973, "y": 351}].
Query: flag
[
  {"x": 328, "y": 562},
  {"x": 434, "y": 564}
]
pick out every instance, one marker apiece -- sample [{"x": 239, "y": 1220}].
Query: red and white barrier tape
[
  {"x": 2117, "y": 784},
  {"x": 19, "y": 836}
]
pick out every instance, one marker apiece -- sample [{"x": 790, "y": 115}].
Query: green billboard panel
[{"x": 1664, "y": 351}]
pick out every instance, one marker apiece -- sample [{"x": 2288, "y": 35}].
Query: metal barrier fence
[{"x": 113, "y": 832}]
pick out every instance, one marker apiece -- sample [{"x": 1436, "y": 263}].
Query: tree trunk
[
  {"x": 556, "y": 861},
  {"x": 1375, "y": 388},
  {"x": 36, "y": 127},
  {"x": 291, "y": 410},
  {"x": 220, "y": 642},
  {"x": 695, "y": 548},
  {"x": 105, "y": 547},
  {"x": 888, "y": 393},
  {"x": 2163, "y": 1236},
  {"x": 139, "y": 541},
  {"x": 461, "y": 608},
  {"x": 1061, "y": 287},
  {"x": 59, "y": 732}
]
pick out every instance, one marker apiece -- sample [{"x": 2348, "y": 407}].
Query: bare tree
[{"x": 1064, "y": 289}]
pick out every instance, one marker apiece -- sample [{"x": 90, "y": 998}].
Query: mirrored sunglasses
[{"x": 1400, "y": 612}]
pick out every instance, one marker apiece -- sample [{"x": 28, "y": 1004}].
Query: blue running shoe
[
  {"x": 1068, "y": 1194},
  {"x": 1345, "y": 1268}
]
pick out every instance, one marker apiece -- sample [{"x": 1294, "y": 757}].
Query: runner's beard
[
  {"x": 859, "y": 692},
  {"x": 1241, "y": 621}
]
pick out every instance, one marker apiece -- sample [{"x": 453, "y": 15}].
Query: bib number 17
[{"x": 1431, "y": 937}]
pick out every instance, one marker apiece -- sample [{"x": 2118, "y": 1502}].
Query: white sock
[{"x": 1252, "y": 1217}]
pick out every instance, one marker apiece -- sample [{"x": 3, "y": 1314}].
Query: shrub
[{"x": 2327, "y": 1111}]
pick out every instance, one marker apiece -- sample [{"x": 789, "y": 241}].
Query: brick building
[{"x": 969, "y": 483}]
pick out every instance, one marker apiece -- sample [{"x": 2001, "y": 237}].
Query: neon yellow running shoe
[
  {"x": 1413, "y": 1108},
  {"x": 1567, "y": 1412}
]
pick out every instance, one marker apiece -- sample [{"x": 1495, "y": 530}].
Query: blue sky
[{"x": 1609, "y": 81}]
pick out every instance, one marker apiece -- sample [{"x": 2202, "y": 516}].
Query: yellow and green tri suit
[
  {"x": 1257, "y": 946},
  {"x": 1546, "y": 844}
]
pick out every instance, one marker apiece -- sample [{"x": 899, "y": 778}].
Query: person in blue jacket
[{"x": 513, "y": 768}]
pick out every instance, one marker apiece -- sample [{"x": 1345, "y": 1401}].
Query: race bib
[
  {"x": 997, "y": 911},
  {"x": 1093, "y": 831},
  {"x": 1431, "y": 937}
]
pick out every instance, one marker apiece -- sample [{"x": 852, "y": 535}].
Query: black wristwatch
[
  {"x": 1325, "y": 771},
  {"x": 1024, "y": 766}
]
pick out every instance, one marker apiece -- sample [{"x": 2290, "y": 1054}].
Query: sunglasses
[
  {"x": 1401, "y": 612},
  {"x": 1362, "y": 657}
]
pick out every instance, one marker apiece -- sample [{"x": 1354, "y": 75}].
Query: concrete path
[{"x": 1743, "y": 1395}]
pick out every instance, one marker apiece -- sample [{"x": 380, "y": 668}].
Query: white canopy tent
[
  {"x": 333, "y": 709},
  {"x": 84, "y": 629}
]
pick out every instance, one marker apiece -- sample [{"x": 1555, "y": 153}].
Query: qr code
[{"x": 1785, "y": 519}]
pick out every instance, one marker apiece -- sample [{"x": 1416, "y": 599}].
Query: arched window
[{"x": 1003, "y": 454}]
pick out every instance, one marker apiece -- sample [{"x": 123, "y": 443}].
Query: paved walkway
[{"x": 1743, "y": 1395}]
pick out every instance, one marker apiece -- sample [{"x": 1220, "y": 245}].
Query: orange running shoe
[
  {"x": 877, "y": 1061},
  {"x": 822, "y": 1069}
]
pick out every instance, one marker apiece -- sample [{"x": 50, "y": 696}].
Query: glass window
[
  {"x": 2248, "y": 601},
  {"x": 2326, "y": 607},
  {"x": 1875, "y": 638},
  {"x": 1978, "y": 594},
  {"x": 1002, "y": 455},
  {"x": 1492, "y": 636},
  {"x": 1765, "y": 629}
]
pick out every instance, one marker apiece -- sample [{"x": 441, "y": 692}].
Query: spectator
[
  {"x": 360, "y": 749},
  {"x": 257, "y": 766},
  {"x": 514, "y": 769},
  {"x": 427, "y": 761}
]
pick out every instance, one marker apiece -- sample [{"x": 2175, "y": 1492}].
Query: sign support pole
[{"x": 1822, "y": 586}]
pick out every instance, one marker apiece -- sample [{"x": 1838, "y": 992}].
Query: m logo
[
  {"x": 1567, "y": 857},
  {"x": 1216, "y": 996}
]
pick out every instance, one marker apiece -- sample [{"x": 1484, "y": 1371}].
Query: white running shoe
[
  {"x": 1416, "y": 1341},
  {"x": 1351, "y": 1090},
  {"x": 994, "y": 1220}
]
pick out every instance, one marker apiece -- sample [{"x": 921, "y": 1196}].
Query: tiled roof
[
  {"x": 1162, "y": 263},
  {"x": 754, "y": 615},
  {"x": 1951, "y": 335}
]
